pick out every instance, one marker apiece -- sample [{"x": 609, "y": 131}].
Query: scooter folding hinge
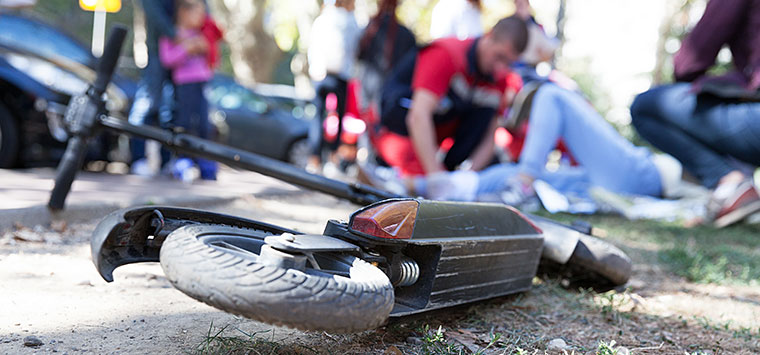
[{"x": 309, "y": 243}]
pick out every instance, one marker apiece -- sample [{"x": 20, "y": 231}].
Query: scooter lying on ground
[{"x": 395, "y": 257}]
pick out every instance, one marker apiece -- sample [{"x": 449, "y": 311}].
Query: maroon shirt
[{"x": 735, "y": 23}]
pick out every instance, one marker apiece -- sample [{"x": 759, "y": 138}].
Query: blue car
[
  {"x": 40, "y": 69},
  {"x": 267, "y": 120}
]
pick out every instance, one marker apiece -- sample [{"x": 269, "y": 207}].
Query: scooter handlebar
[{"x": 107, "y": 62}]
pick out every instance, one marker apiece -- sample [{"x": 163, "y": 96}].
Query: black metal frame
[{"x": 191, "y": 145}]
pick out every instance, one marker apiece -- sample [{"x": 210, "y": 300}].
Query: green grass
[
  {"x": 215, "y": 342},
  {"x": 605, "y": 348},
  {"x": 700, "y": 254}
]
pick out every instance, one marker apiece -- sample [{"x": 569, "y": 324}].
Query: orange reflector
[{"x": 393, "y": 220}]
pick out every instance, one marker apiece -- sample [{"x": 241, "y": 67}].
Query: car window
[
  {"x": 41, "y": 39},
  {"x": 229, "y": 95}
]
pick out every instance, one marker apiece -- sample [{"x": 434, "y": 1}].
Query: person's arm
[
  {"x": 717, "y": 25},
  {"x": 419, "y": 123},
  {"x": 483, "y": 154},
  {"x": 171, "y": 54},
  {"x": 156, "y": 14}
]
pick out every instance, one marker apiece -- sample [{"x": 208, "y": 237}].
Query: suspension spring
[{"x": 409, "y": 272}]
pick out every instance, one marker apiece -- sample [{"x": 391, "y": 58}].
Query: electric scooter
[{"x": 394, "y": 257}]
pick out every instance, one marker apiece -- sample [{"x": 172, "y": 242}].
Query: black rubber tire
[
  {"x": 595, "y": 263},
  {"x": 272, "y": 294},
  {"x": 70, "y": 164},
  {"x": 9, "y": 139}
]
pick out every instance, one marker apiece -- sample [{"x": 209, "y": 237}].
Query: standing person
[
  {"x": 452, "y": 89},
  {"x": 712, "y": 124},
  {"x": 382, "y": 45},
  {"x": 331, "y": 56},
  {"x": 186, "y": 55},
  {"x": 456, "y": 18},
  {"x": 150, "y": 105}
]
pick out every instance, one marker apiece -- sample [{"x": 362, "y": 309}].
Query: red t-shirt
[{"x": 447, "y": 66}]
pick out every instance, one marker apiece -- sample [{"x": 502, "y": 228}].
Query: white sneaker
[
  {"x": 670, "y": 170},
  {"x": 142, "y": 167}
]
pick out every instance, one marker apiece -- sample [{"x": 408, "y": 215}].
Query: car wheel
[
  {"x": 9, "y": 139},
  {"x": 298, "y": 153}
]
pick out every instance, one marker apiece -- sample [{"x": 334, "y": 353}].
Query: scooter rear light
[{"x": 392, "y": 220}]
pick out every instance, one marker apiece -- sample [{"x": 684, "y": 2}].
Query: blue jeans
[
  {"x": 192, "y": 115},
  {"x": 606, "y": 158},
  {"x": 705, "y": 134},
  {"x": 152, "y": 104},
  {"x": 192, "y": 109}
]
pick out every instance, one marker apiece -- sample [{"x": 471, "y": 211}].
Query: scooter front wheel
[{"x": 223, "y": 267}]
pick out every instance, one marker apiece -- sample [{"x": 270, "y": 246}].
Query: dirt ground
[{"x": 49, "y": 290}]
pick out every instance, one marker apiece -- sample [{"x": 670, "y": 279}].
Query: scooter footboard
[
  {"x": 136, "y": 234},
  {"x": 456, "y": 271}
]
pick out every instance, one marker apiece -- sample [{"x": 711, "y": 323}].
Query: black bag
[{"x": 726, "y": 91}]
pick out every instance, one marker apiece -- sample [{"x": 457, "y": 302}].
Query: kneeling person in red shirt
[{"x": 451, "y": 89}]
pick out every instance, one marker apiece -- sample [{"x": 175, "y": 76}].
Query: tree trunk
[
  {"x": 253, "y": 51},
  {"x": 676, "y": 11}
]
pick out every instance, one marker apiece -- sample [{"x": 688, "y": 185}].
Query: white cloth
[
  {"x": 460, "y": 185},
  {"x": 333, "y": 43},
  {"x": 455, "y": 18}
]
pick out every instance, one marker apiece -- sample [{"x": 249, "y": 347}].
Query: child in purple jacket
[{"x": 185, "y": 56}]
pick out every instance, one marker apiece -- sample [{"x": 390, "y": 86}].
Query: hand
[
  {"x": 509, "y": 96},
  {"x": 452, "y": 186},
  {"x": 195, "y": 45},
  {"x": 438, "y": 185}
]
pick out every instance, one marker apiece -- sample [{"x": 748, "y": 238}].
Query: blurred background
[{"x": 613, "y": 48}]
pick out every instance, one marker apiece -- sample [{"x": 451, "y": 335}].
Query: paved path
[{"x": 24, "y": 193}]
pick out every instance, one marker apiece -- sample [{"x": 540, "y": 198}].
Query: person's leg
[
  {"x": 186, "y": 108},
  {"x": 468, "y": 135},
  {"x": 398, "y": 152},
  {"x": 166, "y": 113},
  {"x": 699, "y": 133},
  {"x": 207, "y": 167},
  {"x": 341, "y": 93},
  {"x": 316, "y": 129},
  {"x": 609, "y": 159},
  {"x": 495, "y": 179},
  {"x": 145, "y": 106}
]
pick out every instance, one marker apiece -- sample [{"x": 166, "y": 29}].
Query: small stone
[
  {"x": 32, "y": 341},
  {"x": 26, "y": 235},
  {"x": 623, "y": 351},
  {"x": 59, "y": 226},
  {"x": 557, "y": 344},
  {"x": 84, "y": 283},
  {"x": 414, "y": 341}
]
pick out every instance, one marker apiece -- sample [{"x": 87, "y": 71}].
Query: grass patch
[
  {"x": 587, "y": 321},
  {"x": 720, "y": 264},
  {"x": 215, "y": 342}
]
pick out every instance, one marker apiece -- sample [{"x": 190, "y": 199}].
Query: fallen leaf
[
  {"x": 393, "y": 350},
  {"x": 466, "y": 338}
]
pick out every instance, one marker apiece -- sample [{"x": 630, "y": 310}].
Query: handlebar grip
[
  {"x": 107, "y": 62},
  {"x": 70, "y": 164}
]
